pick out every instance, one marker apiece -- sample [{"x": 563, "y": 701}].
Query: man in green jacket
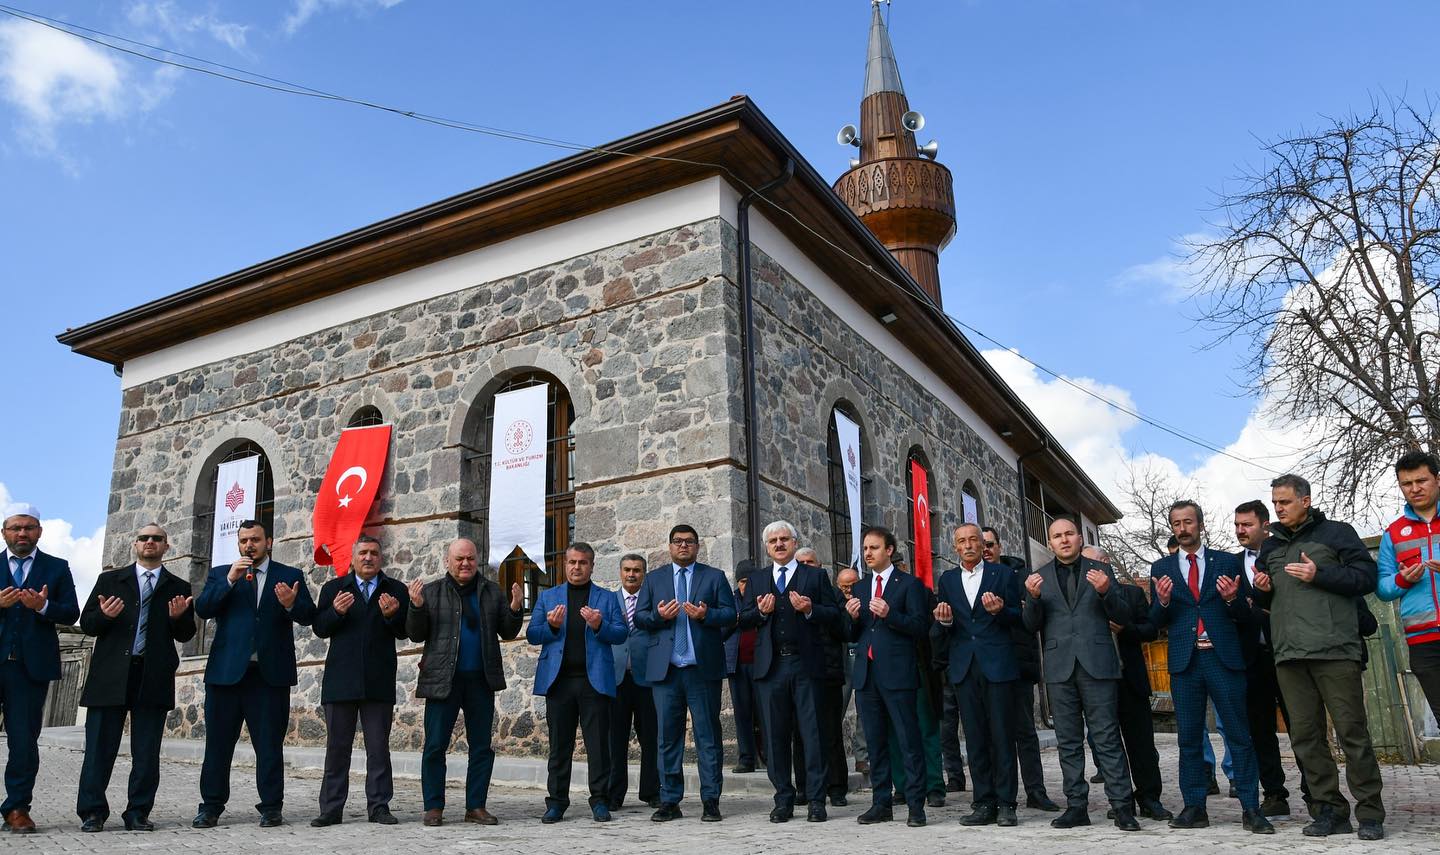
[{"x": 1308, "y": 574}]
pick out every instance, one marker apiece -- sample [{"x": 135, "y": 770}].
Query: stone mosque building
[{"x": 696, "y": 338}]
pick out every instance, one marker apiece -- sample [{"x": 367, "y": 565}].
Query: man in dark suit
[
  {"x": 788, "y": 603},
  {"x": 577, "y": 625},
  {"x": 136, "y": 615},
  {"x": 829, "y": 707},
  {"x": 363, "y": 614},
  {"x": 37, "y": 593},
  {"x": 886, "y": 619},
  {"x": 685, "y": 606},
  {"x": 1203, "y": 597},
  {"x": 1071, "y": 602},
  {"x": 978, "y": 603},
  {"x": 740, "y": 663},
  {"x": 1137, "y": 725},
  {"x": 461, "y": 619},
  {"x": 255, "y": 602},
  {"x": 634, "y": 707}
]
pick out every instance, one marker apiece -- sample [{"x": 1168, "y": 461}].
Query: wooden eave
[{"x": 733, "y": 139}]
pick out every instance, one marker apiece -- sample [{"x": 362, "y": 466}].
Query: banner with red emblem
[
  {"x": 848, "y": 432},
  {"x": 236, "y": 484},
  {"x": 518, "y": 445},
  {"x": 348, "y": 491},
  {"x": 920, "y": 498}
]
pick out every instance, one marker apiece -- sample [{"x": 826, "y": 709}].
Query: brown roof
[{"x": 733, "y": 139}]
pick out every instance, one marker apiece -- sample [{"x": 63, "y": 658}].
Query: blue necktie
[
  {"x": 365, "y": 589},
  {"x": 148, "y": 589},
  {"x": 781, "y": 583},
  {"x": 17, "y": 572},
  {"x": 682, "y": 625}
]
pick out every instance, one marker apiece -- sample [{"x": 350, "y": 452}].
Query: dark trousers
[
  {"x": 375, "y": 718},
  {"x": 950, "y": 752},
  {"x": 830, "y": 730},
  {"x": 745, "y": 705},
  {"x": 1425, "y": 664},
  {"x": 634, "y": 709},
  {"x": 1262, "y": 697},
  {"x": 573, "y": 702},
  {"x": 881, "y": 714},
  {"x": 687, "y": 689},
  {"x": 1084, "y": 703},
  {"x": 1137, "y": 732},
  {"x": 986, "y": 716},
  {"x": 1207, "y": 677},
  {"x": 23, "y": 702},
  {"x": 1027, "y": 740},
  {"x": 788, "y": 699},
  {"x": 470, "y": 694},
  {"x": 264, "y": 711},
  {"x": 104, "y": 727},
  {"x": 1315, "y": 688}
]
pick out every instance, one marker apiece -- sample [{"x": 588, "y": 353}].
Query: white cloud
[
  {"x": 1170, "y": 278},
  {"x": 86, "y": 553},
  {"x": 168, "y": 18},
  {"x": 304, "y": 10}
]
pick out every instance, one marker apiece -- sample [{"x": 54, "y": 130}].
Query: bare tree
[
  {"x": 1146, "y": 495},
  {"x": 1325, "y": 264}
]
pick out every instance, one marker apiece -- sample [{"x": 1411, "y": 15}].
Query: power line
[{"x": 274, "y": 84}]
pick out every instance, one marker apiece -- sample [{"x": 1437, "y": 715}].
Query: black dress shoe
[
  {"x": 956, "y": 785},
  {"x": 782, "y": 814},
  {"x": 801, "y": 799},
  {"x": 1125, "y": 819},
  {"x": 1213, "y": 788},
  {"x": 1005, "y": 817},
  {"x": 653, "y": 804},
  {"x": 817, "y": 813},
  {"x": 981, "y": 815},
  {"x": 876, "y": 813},
  {"x": 1191, "y": 817},
  {"x": 92, "y": 824},
  {"x": 1097, "y": 778},
  {"x": 839, "y": 800},
  {"x": 1255, "y": 822},
  {"x": 205, "y": 819},
  {"x": 138, "y": 823},
  {"x": 743, "y": 769},
  {"x": 710, "y": 811},
  {"x": 1041, "y": 801},
  {"x": 272, "y": 819},
  {"x": 1152, "y": 809},
  {"x": 1233, "y": 793},
  {"x": 1071, "y": 818},
  {"x": 666, "y": 812},
  {"x": 935, "y": 800},
  {"x": 383, "y": 816},
  {"x": 1326, "y": 824},
  {"x": 1370, "y": 829},
  {"x": 916, "y": 818},
  {"x": 327, "y": 819}
]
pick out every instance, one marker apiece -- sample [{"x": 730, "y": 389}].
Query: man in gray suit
[
  {"x": 634, "y": 706},
  {"x": 1071, "y": 602}
]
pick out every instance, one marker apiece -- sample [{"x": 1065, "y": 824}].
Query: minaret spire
[{"x": 906, "y": 199}]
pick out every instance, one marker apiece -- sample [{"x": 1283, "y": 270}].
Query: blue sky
[{"x": 1085, "y": 138}]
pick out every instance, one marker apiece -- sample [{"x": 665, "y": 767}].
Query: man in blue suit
[
  {"x": 685, "y": 606},
  {"x": 979, "y": 603},
  {"x": 576, "y": 625},
  {"x": 634, "y": 707},
  {"x": 37, "y": 593},
  {"x": 789, "y": 604},
  {"x": 1201, "y": 595},
  {"x": 255, "y": 604},
  {"x": 886, "y": 618}
]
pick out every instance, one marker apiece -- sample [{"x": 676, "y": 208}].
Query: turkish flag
[
  {"x": 920, "y": 504},
  {"x": 351, "y": 481}
]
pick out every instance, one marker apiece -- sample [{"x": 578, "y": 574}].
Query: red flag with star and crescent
[
  {"x": 348, "y": 491},
  {"x": 920, "y": 487}
]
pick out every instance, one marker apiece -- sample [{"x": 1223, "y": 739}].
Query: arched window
[
  {"x": 205, "y": 521},
  {"x": 840, "y": 534},
  {"x": 367, "y": 416},
  {"x": 970, "y": 510},
  {"x": 922, "y": 520},
  {"x": 559, "y": 494}
]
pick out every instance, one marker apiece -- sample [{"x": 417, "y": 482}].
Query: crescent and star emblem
[
  {"x": 358, "y": 472},
  {"x": 922, "y": 508}
]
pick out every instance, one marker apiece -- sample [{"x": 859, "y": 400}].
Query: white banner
[
  {"x": 235, "y": 492},
  {"x": 970, "y": 509},
  {"x": 518, "y": 447},
  {"x": 849, "y": 435}
]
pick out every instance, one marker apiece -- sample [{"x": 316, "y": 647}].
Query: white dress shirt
[{"x": 970, "y": 578}]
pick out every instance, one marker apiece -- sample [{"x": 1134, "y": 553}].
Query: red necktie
[
  {"x": 879, "y": 589},
  {"x": 1195, "y": 592}
]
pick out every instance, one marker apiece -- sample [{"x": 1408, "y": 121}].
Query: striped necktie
[{"x": 147, "y": 590}]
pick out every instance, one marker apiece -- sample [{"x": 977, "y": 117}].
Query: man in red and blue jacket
[{"x": 1410, "y": 567}]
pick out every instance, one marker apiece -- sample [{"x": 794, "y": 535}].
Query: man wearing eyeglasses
[
  {"x": 136, "y": 615},
  {"x": 37, "y": 593}
]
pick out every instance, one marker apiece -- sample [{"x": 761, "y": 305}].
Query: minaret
[{"x": 895, "y": 186}]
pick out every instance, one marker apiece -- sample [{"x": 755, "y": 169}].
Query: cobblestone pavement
[{"x": 1412, "y": 798}]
